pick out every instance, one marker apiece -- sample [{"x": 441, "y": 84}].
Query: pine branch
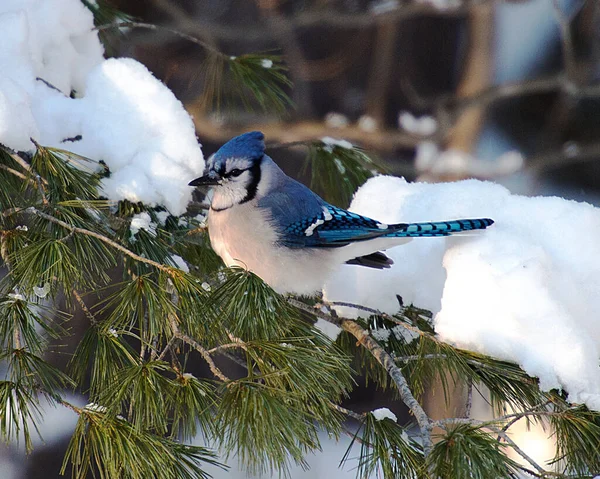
[
  {"x": 383, "y": 358},
  {"x": 395, "y": 373},
  {"x": 33, "y": 211}
]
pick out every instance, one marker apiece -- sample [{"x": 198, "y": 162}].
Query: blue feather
[
  {"x": 249, "y": 145},
  {"x": 335, "y": 227}
]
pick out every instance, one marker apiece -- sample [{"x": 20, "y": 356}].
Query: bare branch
[
  {"x": 85, "y": 309},
  {"x": 348, "y": 412},
  {"x": 204, "y": 353},
  {"x": 469, "y": 403}
]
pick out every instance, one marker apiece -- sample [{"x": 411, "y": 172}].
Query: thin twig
[
  {"x": 469, "y": 404},
  {"x": 396, "y": 375},
  {"x": 224, "y": 347},
  {"x": 348, "y": 412},
  {"x": 16, "y": 173},
  {"x": 518, "y": 450},
  {"x": 151, "y": 26},
  {"x": 166, "y": 348},
  {"x": 204, "y": 353},
  {"x": 85, "y": 309}
]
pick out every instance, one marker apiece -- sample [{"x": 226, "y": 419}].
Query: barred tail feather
[{"x": 443, "y": 228}]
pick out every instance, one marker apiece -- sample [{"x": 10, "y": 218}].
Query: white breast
[{"x": 242, "y": 236}]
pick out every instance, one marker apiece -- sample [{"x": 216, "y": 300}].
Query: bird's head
[{"x": 234, "y": 170}]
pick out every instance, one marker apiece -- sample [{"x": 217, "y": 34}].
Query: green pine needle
[
  {"x": 255, "y": 80},
  {"x": 386, "y": 449},
  {"x": 261, "y": 79},
  {"x": 31, "y": 371},
  {"x": 467, "y": 452},
  {"x": 577, "y": 434},
  {"x": 249, "y": 308},
  {"x": 115, "y": 449},
  {"x": 337, "y": 171},
  {"x": 266, "y": 428},
  {"x": 20, "y": 412},
  {"x": 69, "y": 176},
  {"x": 106, "y": 353}
]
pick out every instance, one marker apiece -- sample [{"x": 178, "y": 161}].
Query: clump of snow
[
  {"x": 142, "y": 221},
  {"x": 124, "y": 115},
  {"x": 162, "y": 216},
  {"x": 424, "y": 125},
  {"x": 266, "y": 63},
  {"x": 380, "y": 7},
  {"x": 429, "y": 159},
  {"x": 330, "y": 143},
  {"x": 367, "y": 123},
  {"x": 49, "y": 39},
  {"x": 42, "y": 292},
  {"x": 336, "y": 120},
  {"x": 180, "y": 263},
  {"x": 524, "y": 290},
  {"x": 403, "y": 334},
  {"x": 16, "y": 296},
  {"x": 384, "y": 413},
  {"x": 330, "y": 330},
  {"x": 381, "y": 334}
]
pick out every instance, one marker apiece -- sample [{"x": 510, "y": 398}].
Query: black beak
[{"x": 206, "y": 180}]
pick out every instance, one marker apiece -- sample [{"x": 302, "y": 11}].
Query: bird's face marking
[
  {"x": 234, "y": 171},
  {"x": 236, "y": 177}
]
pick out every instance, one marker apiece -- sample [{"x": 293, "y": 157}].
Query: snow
[
  {"x": 266, "y": 63},
  {"x": 125, "y": 116},
  {"x": 424, "y": 125},
  {"x": 429, "y": 159},
  {"x": 336, "y": 120},
  {"x": 142, "y": 221},
  {"x": 367, "y": 123},
  {"x": 42, "y": 292},
  {"x": 384, "y": 413},
  {"x": 522, "y": 290},
  {"x": 330, "y": 143},
  {"x": 330, "y": 330},
  {"x": 180, "y": 263}
]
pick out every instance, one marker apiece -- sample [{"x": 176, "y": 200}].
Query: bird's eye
[{"x": 236, "y": 172}]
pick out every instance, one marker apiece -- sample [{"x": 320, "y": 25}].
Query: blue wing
[
  {"x": 336, "y": 227},
  {"x": 303, "y": 219}
]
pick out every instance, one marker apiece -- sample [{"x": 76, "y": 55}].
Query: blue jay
[{"x": 263, "y": 220}]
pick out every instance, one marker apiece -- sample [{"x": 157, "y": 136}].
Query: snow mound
[
  {"x": 120, "y": 113},
  {"x": 524, "y": 290}
]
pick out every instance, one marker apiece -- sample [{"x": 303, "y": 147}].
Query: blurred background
[{"x": 436, "y": 90}]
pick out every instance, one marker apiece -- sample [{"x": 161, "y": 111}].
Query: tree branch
[
  {"x": 204, "y": 353},
  {"x": 104, "y": 239},
  {"x": 383, "y": 358}
]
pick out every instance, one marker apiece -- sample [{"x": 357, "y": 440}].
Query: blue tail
[{"x": 443, "y": 228}]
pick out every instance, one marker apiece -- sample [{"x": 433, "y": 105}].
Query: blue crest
[{"x": 249, "y": 145}]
